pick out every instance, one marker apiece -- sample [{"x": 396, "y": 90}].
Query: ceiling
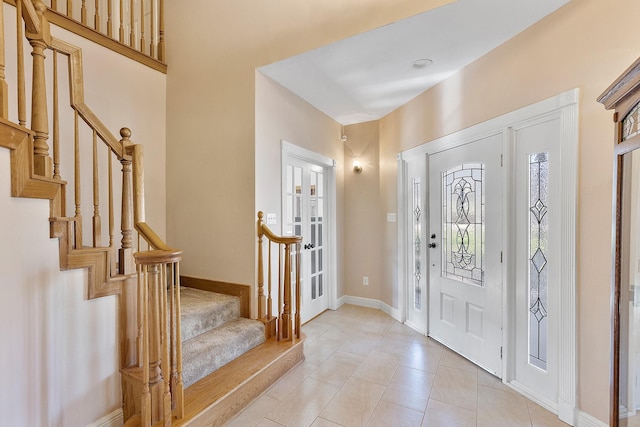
[{"x": 367, "y": 76}]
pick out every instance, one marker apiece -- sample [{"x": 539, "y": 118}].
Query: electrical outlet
[{"x": 365, "y": 281}]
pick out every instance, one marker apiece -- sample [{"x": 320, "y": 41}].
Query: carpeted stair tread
[
  {"x": 202, "y": 311},
  {"x": 203, "y": 354}
]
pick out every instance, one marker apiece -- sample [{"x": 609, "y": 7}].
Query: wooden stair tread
[{"x": 218, "y": 397}]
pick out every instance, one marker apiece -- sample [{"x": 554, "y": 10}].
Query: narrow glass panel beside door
[
  {"x": 417, "y": 246},
  {"x": 538, "y": 250}
]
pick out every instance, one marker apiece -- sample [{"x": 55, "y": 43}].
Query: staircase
[
  {"x": 213, "y": 333},
  {"x": 188, "y": 356}
]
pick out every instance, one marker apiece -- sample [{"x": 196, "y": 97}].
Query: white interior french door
[
  {"x": 305, "y": 215},
  {"x": 465, "y": 250}
]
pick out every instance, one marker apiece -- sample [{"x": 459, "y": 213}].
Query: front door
[
  {"x": 305, "y": 215},
  {"x": 465, "y": 245}
]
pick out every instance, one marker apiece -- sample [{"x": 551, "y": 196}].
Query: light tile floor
[{"x": 363, "y": 368}]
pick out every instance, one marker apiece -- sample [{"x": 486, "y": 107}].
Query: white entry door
[
  {"x": 465, "y": 244},
  {"x": 305, "y": 215}
]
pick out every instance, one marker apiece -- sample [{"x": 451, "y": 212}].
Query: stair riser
[
  {"x": 204, "y": 354},
  {"x": 202, "y": 311}
]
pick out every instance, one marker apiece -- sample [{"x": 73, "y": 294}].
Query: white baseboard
[
  {"x": 371, "y": 303},
  {"x": 535, "y": 397},
  {"x": 586, "y": 420},
  {"x": 114, "y": 419}
]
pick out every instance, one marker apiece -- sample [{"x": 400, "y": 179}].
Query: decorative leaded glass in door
[
  {"x": 463, "y": 223},
  {"x": 538, "y": 250},
  {"x": 417, "y": 245}
]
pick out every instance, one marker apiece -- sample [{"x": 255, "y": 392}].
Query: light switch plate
[
  {"x": 391, "y": 217},
  {"x": 271, "y": 219}
]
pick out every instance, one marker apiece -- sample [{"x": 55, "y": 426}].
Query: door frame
[
  {"x": 565, "y": 105},
  {"x": 289, "y": 150}
]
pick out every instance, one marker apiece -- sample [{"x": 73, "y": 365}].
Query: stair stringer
[{"x": 24, "y": 183}]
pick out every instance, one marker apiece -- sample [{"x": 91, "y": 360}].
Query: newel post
[
  {"x": 125, "y": 253},
  {"x": 42, "y": 163},
  {"x": 261, "y": 297}
]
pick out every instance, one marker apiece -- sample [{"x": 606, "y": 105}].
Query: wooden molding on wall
[
  {"x": 241, "y": 291},
  {"x": 97, "y": 260},
  {"x": 24, "y": 183}
]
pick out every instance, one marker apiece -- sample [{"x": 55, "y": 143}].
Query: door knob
[{"x": 432, "y": 245}]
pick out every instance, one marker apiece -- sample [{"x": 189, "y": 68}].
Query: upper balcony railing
[{"x": 134, "y": 28}]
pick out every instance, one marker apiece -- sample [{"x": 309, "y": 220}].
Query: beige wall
[
  {"x": 281, "y": 115},
  {"x": 363, "y": 213},
  {"x": 213, "y": 52},
  {"x": 586, "y": 44}
]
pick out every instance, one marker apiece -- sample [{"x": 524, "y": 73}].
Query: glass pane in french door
[{"x": 316, "y": 198}]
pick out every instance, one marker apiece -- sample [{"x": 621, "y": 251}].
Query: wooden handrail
[
  {"x": 152, "y": 238},
  {"x": 278, "y": 239},
  {"x": 76, "y": 88},
  {"x": 31, "y": 18}
]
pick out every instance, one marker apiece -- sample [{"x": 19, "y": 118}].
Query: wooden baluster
[
  {"x": 139, "y": 317},
  {"x": 125, "y": 257},
  {"x": 166, "y": 375},
  {"x": 97, "y": 222},
  {"x": 261, "y": 296},
  {"x": 153, "y": 332},
  {"x": 146, "y": 390},
  {"x": 109, "y": 19},
  {"x": 96, "y": 16},
  {"x": 4, "y": 87},
  {"x": 142, "y": 41},
  {"x": 132, "y": 19},
  {"x": 152, "y": 24},
  {"x": 161, "y": 33},
  {"x": 111, "y": 207},
  {"x": 70, "y": 8},
  {"x": 114, "y": 256},
  {"x": 42, "y": 163},
  {"x": 269, "y": 298},
  {"x": 76, "y": 169},
  {"x": 178, "y": 386},
  {"x": 56, "y": 120},
  {"x": 286, "y": 310},
  {"x": 280, "y": 289},
  {"x": 172, "y": 332},
  {"x": 22, "y": 98},
  {"x": 83, "y": 12},
  {"x": 54, "y": 5},
  {"x": 298, "y": 323},
  {"x": 121, "y": 32}
]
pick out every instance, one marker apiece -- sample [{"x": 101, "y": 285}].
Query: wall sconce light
[{"x": 357, "y": 166}]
